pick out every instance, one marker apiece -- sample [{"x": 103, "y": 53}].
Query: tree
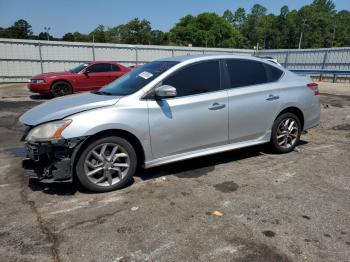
[
  {"x": 134, "y": 32},
  {"x": 4, "y": 33},
  {"x": 78, "y": 37},
  {"x": 258, "y": 11},
  {"x": 21, "y": 29},
  {"x": 341, "y": 30},
  {"x": 206, "y": 29},
  {"x": 228, "y": 16},
  {"x": 68, "y": 37},
  {"x": 157, "y": 37},
  {"x": 44, "y": 36},
  {"x": 98, "y": 34},
  {"x": 239, "y": 16},
  {"x": 255, "y": 27}
]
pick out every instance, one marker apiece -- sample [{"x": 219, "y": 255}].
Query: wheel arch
[
  {"x": 131, "y": 138},
  {"x": 296, "y": 111}
]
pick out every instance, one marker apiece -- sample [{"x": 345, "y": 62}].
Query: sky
[{"x": 64, "y": 16}]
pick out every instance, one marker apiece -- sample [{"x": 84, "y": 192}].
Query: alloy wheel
[
  {"x": 60, "y": 89},
  {"x": 287, "y": 133},
  {"x": 106, "y": 164}
]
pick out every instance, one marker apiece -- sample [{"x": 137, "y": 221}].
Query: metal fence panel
[{"x": 20, "y": 59}]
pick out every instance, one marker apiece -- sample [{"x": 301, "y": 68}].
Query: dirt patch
[
  {"x": 254, "y": 252},
  {"x": 269, "y": 233},
  {"x": 343, "y": 127},
  {"x": 226, "y": 187}
]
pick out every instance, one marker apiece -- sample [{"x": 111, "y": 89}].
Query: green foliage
[
  {"x": 98, "y": 34},
  {"x": 319, "y": 24},
  {"x": 134, "y": 32},
  {"x": 206, "y": 29},
  {"x": 21, "y": 29},
  {"x": 68, "y": 37},
  {"x": 45, "y": 36}
]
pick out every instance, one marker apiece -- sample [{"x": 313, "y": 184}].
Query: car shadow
[
  {"x": 200, "y": 166},
  {"x": 40, "y": 97},
  {"x": 192, "y": 168}
]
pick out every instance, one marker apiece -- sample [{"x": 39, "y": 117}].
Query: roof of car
[
  {"x": 207, "y": 56},
  {"x": 98, "y": 62}
]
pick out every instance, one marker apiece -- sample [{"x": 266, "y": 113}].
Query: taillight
[{"x": 314, "y": 87}]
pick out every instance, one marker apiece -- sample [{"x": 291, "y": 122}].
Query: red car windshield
[
  {"x": 78, "y": 68},
  {"x": 136, "y": 79}
]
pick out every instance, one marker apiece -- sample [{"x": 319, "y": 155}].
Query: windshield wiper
[{"x": 102, "y": 93}]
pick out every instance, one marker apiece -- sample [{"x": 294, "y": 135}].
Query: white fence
[{"x": 20, "y": 59}]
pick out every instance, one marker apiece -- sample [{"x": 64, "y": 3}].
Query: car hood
[
  {"x": 61, "y": 107},
  {"x": 50, "y": 74}
]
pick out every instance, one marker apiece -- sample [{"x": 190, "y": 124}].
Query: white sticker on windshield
[{"x": 145, "y": 74}]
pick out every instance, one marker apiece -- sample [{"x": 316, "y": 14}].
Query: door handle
[
  {"x": 216, "y": 106},
  {"x": 272, "y": 97}
]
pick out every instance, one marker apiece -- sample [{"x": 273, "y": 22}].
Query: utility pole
[
  {"x": 333, "y": 36},
  {"x": 47, "y": 29},
  {"x": 301, "y": 34}
]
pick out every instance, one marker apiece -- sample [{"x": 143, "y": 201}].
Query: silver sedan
[{"x": 166, "y": 111}]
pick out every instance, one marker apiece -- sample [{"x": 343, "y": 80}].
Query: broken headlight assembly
[{"x": 48, "y": 131}]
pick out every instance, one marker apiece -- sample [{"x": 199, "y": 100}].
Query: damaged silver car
[{"x": 166, "y": 111}]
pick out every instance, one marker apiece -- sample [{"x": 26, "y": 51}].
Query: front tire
[
  {"x": 106, "y": 164},
  {"x": 286, "y": 132},
  {"x": 61, "y": 88}
]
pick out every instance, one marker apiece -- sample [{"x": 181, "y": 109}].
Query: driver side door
[{"x": 197, "y": 118}]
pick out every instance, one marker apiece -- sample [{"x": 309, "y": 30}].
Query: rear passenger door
[
  {"x": 196, "y": 118},
  {"x": 253, "y": 99}
]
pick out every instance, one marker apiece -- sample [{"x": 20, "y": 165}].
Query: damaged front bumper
[{"x": 53, "y": 159}]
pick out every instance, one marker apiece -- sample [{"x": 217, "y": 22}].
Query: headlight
[
  {"x": 37, "y": 81},
  {"x": 48, "y": 131}
]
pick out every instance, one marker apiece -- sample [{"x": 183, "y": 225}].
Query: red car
[{"x": 85, "y": 77}]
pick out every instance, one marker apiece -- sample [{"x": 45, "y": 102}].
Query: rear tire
[
  {"x": 285, "y": 133},
  {"x": 61, "y": 88},
  {"x": 106, "y": 164}
]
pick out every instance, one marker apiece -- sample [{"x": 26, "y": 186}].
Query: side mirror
[
  {"x": 165, "y": 91},
  {"x": 86, "y": 72}
]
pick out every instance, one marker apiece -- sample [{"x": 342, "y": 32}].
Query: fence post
[
  {"x": 172, "y": 52},
  {"x": 40, "y": 57},
  {"x": 286, "y": 60},
  {"x": 93, "y": 51},
  {"x": 136, "y": 56},
  {"x": 324, "y": 63}
]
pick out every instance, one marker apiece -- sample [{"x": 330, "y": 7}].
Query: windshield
[
  {"x": 136, "y": 79},
  {"x": 78, "y": 68}
]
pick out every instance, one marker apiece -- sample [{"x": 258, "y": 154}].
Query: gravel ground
[{"x": 244, "y": 205}]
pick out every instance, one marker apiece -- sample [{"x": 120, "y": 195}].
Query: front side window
[
  {"x": 246, "y": 72},
  {"x": 195, "y": 79},
  {"x": 136, "y": 79},
  {"x": 99, "y": 68},
  {"x": 78, "y": 68}
]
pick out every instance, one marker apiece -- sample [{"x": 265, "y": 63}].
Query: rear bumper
[
  {"x": 39, "y": 88},
  {"x": 52, "y": 160}
]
